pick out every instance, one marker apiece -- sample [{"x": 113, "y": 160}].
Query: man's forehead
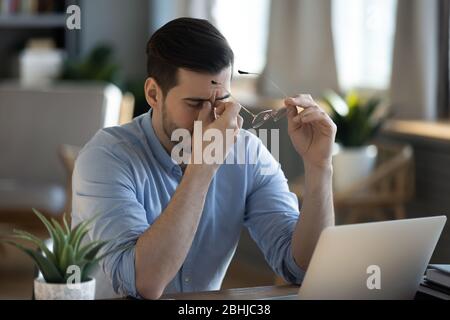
[{"x": 191, "y": 79}]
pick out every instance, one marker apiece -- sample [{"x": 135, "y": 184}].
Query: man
[{"x": 183, "y": 221}]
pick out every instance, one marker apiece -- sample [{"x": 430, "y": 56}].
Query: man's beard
[{"x": 168, "y": 125}]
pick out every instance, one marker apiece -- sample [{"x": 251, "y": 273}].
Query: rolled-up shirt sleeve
[
  {"x": 272, "y": 213},
  {"x": 103, "y": 186}
]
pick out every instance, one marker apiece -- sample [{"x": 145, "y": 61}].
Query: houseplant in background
[
  {"x": 65, "y": 264},
  {"x": 99, "y": 64},
  {"x": 358, "y": 120}
]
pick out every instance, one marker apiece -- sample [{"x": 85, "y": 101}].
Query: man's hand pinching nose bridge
[
  {"x": 211, "y": 105},
  {"x": 206, "y": 114}
]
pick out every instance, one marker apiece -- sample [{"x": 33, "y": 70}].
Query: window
[
  {"x": 245, "y": 24},
  {"x": 363, "y": 34}
]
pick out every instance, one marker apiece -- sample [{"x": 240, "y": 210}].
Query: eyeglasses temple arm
[
  {"x": 275, "y": 112},
  {"x": 267, "y": 78}
]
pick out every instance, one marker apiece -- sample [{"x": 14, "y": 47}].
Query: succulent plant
[
  {"x": 98, "y": 65},
  {"x": 357, "y": 119},
  {"x": 68, "y": 249}
]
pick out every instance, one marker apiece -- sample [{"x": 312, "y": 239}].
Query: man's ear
[{"x": 153, "y": 93}]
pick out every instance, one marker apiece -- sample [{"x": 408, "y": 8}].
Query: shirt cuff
[
  {"x": 124, "y": 279},
  {"x": 293, "y": 274}
]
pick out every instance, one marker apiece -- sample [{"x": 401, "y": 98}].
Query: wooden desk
[
  {"x": 257, "y": 293},
  {"x": 237, "y": 294}
]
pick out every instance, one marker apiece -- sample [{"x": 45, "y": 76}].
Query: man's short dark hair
[{"x": 193, "y": 44}]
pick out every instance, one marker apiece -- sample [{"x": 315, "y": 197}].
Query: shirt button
[{"x": 187, "y": 279}]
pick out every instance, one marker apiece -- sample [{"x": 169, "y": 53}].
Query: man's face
[{"x": 184, "y": 101}]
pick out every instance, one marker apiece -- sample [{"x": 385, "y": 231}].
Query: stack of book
[
  {"x": 437, "y": 281},
  {"x": 30, "y": 6}
]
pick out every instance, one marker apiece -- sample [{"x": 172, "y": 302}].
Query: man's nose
[{"x": 212, "y": 100}]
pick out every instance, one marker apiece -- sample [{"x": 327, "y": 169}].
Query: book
[
  {"x": 5, "y": 7},
  {"x": 29, "y": 6},
  {"x": 19, "y": 6},
  {"x": 439, "y": 274},
  {"x": 445, "y": 268},
  {"x": 433, "y": 291}
]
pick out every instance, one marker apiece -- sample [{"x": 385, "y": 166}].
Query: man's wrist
[
  {"x": 325, "y": 167},
  {"x": 204, "y": 172}
]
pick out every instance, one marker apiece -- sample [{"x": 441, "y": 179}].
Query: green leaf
[
  {"x": 80, "y": 232},
  {"x": 80, "y": 254},
  {"x": 47, "y": 224},
  {"x": 352, "y": 99},
  {"x": 66, "y": 225},
  {"x": 372, "y": 104},
  {"x": 357, "y": 124},
  {"x": 67, "y": 258},
  {"x": 87, "y": 269},
  {"x": 73, "y": 234},
  {"x": 49, "y": 271},
  {"x": 61, "y": 242},
  {"x": 336, "y": 103},
  {"x": 59, "y": 230},
  {"x": 40, "y": 243},
  {"x": 52, "y": 232},
  {"x": 92, "y": 252}
]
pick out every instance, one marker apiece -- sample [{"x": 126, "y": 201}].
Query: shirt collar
[{"x": 157, "y": 149}]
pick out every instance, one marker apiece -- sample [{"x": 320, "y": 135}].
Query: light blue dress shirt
[{"x": 124, "y": 175}]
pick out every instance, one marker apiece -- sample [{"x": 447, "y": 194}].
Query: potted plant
[
  {"x": 98, "y": 65},
  {"x": 358, "y": 120},
  {"x": 65, "y": 266}
]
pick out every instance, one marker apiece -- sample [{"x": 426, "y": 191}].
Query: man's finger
[
  {"x": 316, "y": 116},
  {"x": 206, "y": 115},
  {"x": 219, "y": 108},
  {"x": 309, "y": 111},
  {"x": 291, "y": 111},
  {"x": 302, "y": 100},
  {"x": 232, "y": 109},
  {"x": 229, "y": 116},
  {"x": 240, "y": 121},
  {"x": 292, "y": 114}
]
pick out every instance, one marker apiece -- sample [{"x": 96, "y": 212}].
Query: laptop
[{"x": 378, "y": 260}]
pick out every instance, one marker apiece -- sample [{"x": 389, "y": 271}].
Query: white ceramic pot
[
  {"x": 62, "y": 291},
  {"x": 352, "y": 164}
]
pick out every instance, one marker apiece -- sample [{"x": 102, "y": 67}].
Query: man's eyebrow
[{"x": 195, "y": 99}]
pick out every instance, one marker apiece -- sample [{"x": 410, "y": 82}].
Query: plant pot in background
[
  {"x": 62, "y": 291},
  {"x": 352, "y": 164},
  {"x": 358, "y": 118}
]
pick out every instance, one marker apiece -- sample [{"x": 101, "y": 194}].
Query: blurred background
[{"x": 379, "y": 67}]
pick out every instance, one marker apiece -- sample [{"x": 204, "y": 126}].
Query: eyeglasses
[{"x": 262, "y": 117}]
